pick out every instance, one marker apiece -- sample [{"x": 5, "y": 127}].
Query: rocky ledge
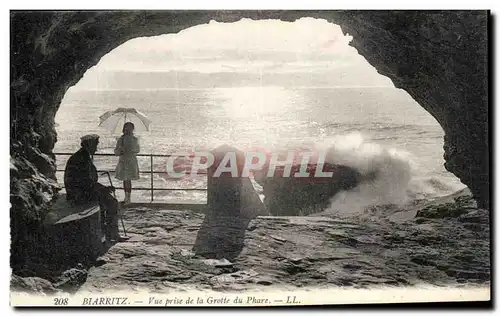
[{"x": 401, "y": 248}]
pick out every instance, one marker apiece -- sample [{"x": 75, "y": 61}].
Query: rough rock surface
[
  {"x": 47, "y": 278},
  {"x": 31, "y": 285},
  {"x": 439, "y": 58},
  {"x": 294, "y": 252}
]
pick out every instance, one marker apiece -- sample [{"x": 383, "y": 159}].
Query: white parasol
[{"x": 114, "y": 120}]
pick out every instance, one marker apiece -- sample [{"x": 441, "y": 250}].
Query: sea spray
[{"x": 398, "y": 178}]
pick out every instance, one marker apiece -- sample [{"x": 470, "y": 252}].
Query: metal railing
[{"x": 151, "y": 171}]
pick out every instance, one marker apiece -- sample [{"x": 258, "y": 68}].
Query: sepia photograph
[{"x": 223, "y": 158}]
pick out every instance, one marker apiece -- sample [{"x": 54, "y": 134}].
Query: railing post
[{"x": 151, "y": 156}]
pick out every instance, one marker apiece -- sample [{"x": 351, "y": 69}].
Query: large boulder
[{"x": 293, "y": 196}]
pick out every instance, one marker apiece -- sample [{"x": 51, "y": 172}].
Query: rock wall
[{"x": 439, "y": 58}]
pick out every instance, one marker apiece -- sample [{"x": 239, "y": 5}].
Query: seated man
[{"x": 80, "y": 181}]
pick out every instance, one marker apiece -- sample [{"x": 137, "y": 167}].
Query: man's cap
[{"x": 90, "y": 137}]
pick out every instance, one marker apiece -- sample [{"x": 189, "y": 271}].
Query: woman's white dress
[{"x": 127, "y": 168}]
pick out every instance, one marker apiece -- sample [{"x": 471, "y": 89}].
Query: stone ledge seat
[{"x": 74, "y": 231}]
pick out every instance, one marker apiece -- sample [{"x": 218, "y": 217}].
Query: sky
[{"x": 266, "y": 52}]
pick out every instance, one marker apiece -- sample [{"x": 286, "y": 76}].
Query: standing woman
[{"x": 127, "y": 169}]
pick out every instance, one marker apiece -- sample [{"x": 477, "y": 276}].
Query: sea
[{"x": 369, "y": 128}]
